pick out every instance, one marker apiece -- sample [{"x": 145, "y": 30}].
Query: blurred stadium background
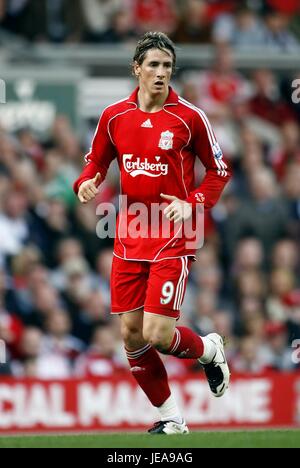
[{"x": 63, "y": 61}]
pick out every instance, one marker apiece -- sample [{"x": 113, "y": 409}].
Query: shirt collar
[{"x": 172, "y": 99}]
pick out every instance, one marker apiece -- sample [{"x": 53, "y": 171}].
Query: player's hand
[
  {"x": 89, "y": 189},
  {"x": 178, "y": 210}
]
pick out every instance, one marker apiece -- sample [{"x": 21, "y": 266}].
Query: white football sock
[
  {"x": 169, "y": 411},
  {"x": 209, "y": 350}
]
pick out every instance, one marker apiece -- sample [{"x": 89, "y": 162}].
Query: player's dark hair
[{"x": 153, "y": 40}]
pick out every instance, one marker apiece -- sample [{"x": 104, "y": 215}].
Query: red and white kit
[{"x": 156, "y": 153}]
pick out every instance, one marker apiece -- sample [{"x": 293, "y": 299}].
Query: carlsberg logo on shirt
[{"x": 144, "y": 167}]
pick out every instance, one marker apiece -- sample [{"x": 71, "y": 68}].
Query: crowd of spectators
[
  {"x": 54, "y": 269},
  {"x": 55, "y": 272},
  {"x": 248, "y": 23}
]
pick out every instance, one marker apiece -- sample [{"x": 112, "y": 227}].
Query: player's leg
[
  {"x": 128, "y": 287},
  {"x": 166, "y": 290},
  {"x": 145, "y": 363},
  {"x": 149, "y": 371}
]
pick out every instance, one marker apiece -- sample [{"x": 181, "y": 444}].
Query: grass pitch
[{"x": 224, "y": 439}]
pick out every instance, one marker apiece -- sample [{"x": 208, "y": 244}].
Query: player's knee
[
  {"x": 132, "y": 336},
  {"x": 158, "y": 340}
]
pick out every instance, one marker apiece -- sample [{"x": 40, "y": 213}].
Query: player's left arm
[
  {"x": 177, "y": 210},
  {"x": 217, "y": 174},
  {"x": 208, "y": 150}
]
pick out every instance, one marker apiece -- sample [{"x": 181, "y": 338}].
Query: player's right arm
[
  {"x": 98, "y": 160},
  {"x": 89, "y": 189}
]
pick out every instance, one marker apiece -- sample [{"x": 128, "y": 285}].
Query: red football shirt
[{"x": 156, "y": 153}]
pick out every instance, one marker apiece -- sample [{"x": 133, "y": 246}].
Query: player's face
[{"x": 155, "y": 72}]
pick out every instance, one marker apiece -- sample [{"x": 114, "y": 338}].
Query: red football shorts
[{"x": 157, "y": 287}]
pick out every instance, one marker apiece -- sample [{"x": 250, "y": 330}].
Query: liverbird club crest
[{"x": 166, "y": 140}]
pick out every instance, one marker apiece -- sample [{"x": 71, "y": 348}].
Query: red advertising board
[{"x": 269, "y": 400}]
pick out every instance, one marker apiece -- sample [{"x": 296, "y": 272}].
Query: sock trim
[
  {"x": 138, "y": 353},
  {"x": 177, "y": 342}
]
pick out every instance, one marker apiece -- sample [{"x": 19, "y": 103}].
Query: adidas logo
[
  {"x": 183, "y": 353},
  {"x": 147, "y": 124}
]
